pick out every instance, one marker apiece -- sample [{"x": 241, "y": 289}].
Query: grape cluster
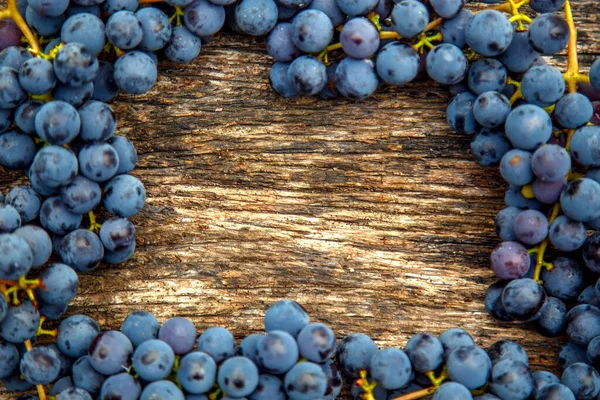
[{"x": 293, "y": 359}]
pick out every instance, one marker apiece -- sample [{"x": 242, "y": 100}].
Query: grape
[
  {"x": 280, "y": 81},
  {"x": 307, "y": 75},
  {"x": 515, "y": 167},
  {"x": 354, "y": 353},
  {"x": 44, "y": 26},
  {"x": 135, "y": 73},
  {"x": 121, "y": 386},
  {"x": 156, "y": 28},
  {"x": 594, "y": 74},
  {"x": 410, "y": 18},
  {"x": 491, "y": 109},
  {"x": 447, "y": 8},
  {"x": 162, "y": 390},
  {"x": 379, "y": 393},
  {"x": 49, "y": 8},
  {"x": 446, "y": 64},
  {"x": 238, "y": 377},
  {"x": 269, "y": 387},
  {"x": 452, "y": 391},
  {"x": 9, "y": 218},
  {"x": 277, "y": 352},
  {"x": 11, "y": 93},
  {"x": 459, "y": 113},
  {"x": 312, "y": 31},
  {"x": 359, "y": 37},
  {"x": 583, "y": 380},
  {"x": 183, "y": 46},
  {"x": 487, "y": 75},
  {"x": 549, "y": 34},
  {"x": 9, "y": 355},
  {"x": 179, "y": 333},
  {"x": 454, "y": 30},
  {"x": 57, "y": 122},
  {"x": 551, "y": 163},
  {"x": 255, "y": 17},
  {"x": 16, "y": 257},
  {"x": 354, "y": 8},
  {"x": 52, "y": 312},
  {"x": 528, "y": 127},
  {"x": 153, "y": 360},
  {"x": 25, "y": 116},
  {"x": 197, "y": 372},
  {"x": 546, "y": 6},
  {"x": 75, "y": 65},
  {"x": 98, "y": 121},
  {"x": 510, "y": 260},
  {"x": 80, "y": 196},
  {"x": 542, "y": 85},
  {"x": 117, "y": 234},
  {"x": 552, "y": 319},
  {"x": 541, "y": 379},
  {"x": 531, "y": 227},
  {"x": 588, "y": 296},
  {"x": 384, "y": 8},
  {"x": 574, "y": 110},
  {"x": 583, "y": 324},
  {"x": 503, "y": 224},
  {"x": 75, "y": 96},
  {"x": 218, "y": 343},
  {"x": 585, "y": 146},
  {"x": 110, "y": 352},
  {"x": 84, "y": 28},
  {"x": 570, "y": 354},
  {"x": 555, "y": 391},
  {"x": 86, "y": 377},
  {"x": 397, "y": 63},
  {"x": 26, "y": 201},
  {"x": 523, "y": 299},
  {"x": 391, "y": 368},
  {"x": 21, "y": 322},
  {"x": 140, "y": 326},
  {"x": 124, "y": 30},
  {"x": 581, "y": 200},
  {"x": 56, "y": 218},
  {"x": 40, "y": 365},
  {"x": 511, "y": 380},
  {"x": 489, "y": 33},
  {"x": 10, "y": 34},
  {"x": 331, "y": 8},
  {"x": 60, "y": 385},
  {"x": 105, "y": 87},
  {"x": 98, "y": 161},
  {"x": 566, "y": 234},
  {"x": 61, "y": 284},
  {"x": 356, "y": 79},
  {"x": 454, "y": 338},
  {"x": 82, "y": 250},
  {"x": 316, "y": 342},
  {"x": 13, "y": 57},
  {"x": 248, "y": 346},
  {"x": 36, "y": 76},
  {"x": 520, "y": 55},
  {"x": 124, "y": 196},
  {"x": 280, "y": 45},
  {"x": 425, "y": 352}
]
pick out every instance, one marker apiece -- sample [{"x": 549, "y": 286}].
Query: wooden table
[{"x": 371, "y": 214}]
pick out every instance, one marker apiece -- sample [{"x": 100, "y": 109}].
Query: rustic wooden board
[{"x": 371, "y": 214}]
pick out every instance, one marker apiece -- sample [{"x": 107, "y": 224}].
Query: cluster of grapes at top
[{"x": 294, "y": 359}]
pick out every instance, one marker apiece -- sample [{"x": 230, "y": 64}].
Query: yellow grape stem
[
  {"x": 572, "y": 76},
  {"x": 540, "y": 250},
  {"x": 419, "y": 394}
]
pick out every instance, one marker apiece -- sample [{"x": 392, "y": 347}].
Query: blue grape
[
  {"x": 410, "y": 18},
  {"x": 16, "y": 257},
  {"x": 454, "y": 29},
  {"x": 61, "y": 284},
  {"x": 269, "y": 387},
  {"x": 316, "y": 342},
  {"x": 491, "y": 109},
  {"x": 153, "y": 360},
  {"x": 542, "y": 85},
  {"x": 528, "y": 127},
  {"x": 583, "y": 324},
  {"x": 11, "y": 93},
  {"x": 447, "y": 8},
  {"x": 459, "y": 113},
  {"x": 452, "y": 391},
  {"x": 256, "y": 17},
  {"x": 43, "y": 25},
  {"x": 397, "y": 63},
  {"x": 581, "y": 200},
  {"x": 84, "y": 28},
  {"x": 593, "y": 351},
  {"x": 523, "y": 299},
  {"x": 26, "y": 201},
  {"x": 446, "y": 64},
  {"x": 140, "y": 326},
  {"x": 75, "y": 65},
  {"x": 183, "y": 46},
  {"x": 354, "y": 353},
  {"x": 10, "y": 219},
  {"x": 541, "y": 379},
  {"x": 391, "y": 368},
  {"x": 110, "y": 352},
  {"x": 583, "y": 380},
  {"x": 121, "y": 386},
  {"x": 551, "y": 163},
  {"x": 574, "y": 110},
  {"x": 555, "y": 391},
  {"x": 17, "y": 150},
  {"x": 307, "y": 75},
  {"x": 117, "y": 234},
  {"x": 9, "y": 355},
  {"x": 280, "y": 80},
  {"x": 135, "y": 73},
  {"x": 197, "y": 372},
  {"x": 566, "y": 234},
  {"x": 105, "y": 87},
  {"x": 98, "y": 161},
  {"x": 515, "y": 167},
  {"x": 124, "y": 196},
  {"x": 85, "y": 377},
  {"x": 487, "y": 75},
  {"x": 14, "y": 57},
  {"x": 354, "y": 8},
  {"x": 57, "y": 122},
  {"x": 218, "y": 343},
  {"x": 356, "y": 79},
  {"x": 594, "y": 74},
  {"x": 545, "y": 6},
  {"x": 286, "y": 315},
  {"x": 75, "y": 96},
  {"x": 15, "y": 383},
  {"x": 82, "y": 250},
  {"x": 156, "y": 28},
  {"x": 5, "y": 119},
  {"x": 585, "y": 146},
  {"x": 549, "y": 33},
  {"x": 98, "y": 121},
  {"x": 570, "y": 354},
  {"x": 204, "y": 18},
  {"x": 312, "y": 31},
  {"x": 552, "y": 319},
  {"x": 277, "y": 352},
  {"x": 56, "y": 218},
  {"x": 112, "y": 6},
  {"x": 305, "y": 381},
  {"x": 531, "y": 227},
  {"x": 40, "y": 365},
  {"x": 248, "y": 346},
  {"x": 510, "y": 260},
  {"x": 3, "y": 307},
  {"x": 511, "y": 380},
  {"x": 179, "y": 333},
  {"x": 520, "y": 55},
  {"x": 331, "y": 8},
  {"x": 49, "y": 8},
  {"x": 588, "y": 296},
  {"x": 60, "y": 385},
  {"x": 21, "y": 323},
  {"x": 52, "y": 312},
  {"x": 489, "y": 33},
  {"x": 238, "y": 377},
  {"x": 359, "y": 37},
  {"x": 280, "y": 45},
  {"x": 425, "y": 352},
  {"x": 503, "y": 224},
  {"x": 81, "y": 195},
  {"x": 124, "y": 30},
  {"x": 36, "y": 76}
]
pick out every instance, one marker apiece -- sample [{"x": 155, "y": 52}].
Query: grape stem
[
  {"x": 572, "y": 75},
  {"x": 419, "y": 394},
  {"x": 12, "y": 12},
  {"x": 41, "y": 331},
  {"x": 367, "y": 387},
  {"x": 540, "y": 250},
  {"x": 40, "y": 388}
]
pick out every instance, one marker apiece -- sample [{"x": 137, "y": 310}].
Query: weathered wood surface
[{"x": 371, "y": 214}]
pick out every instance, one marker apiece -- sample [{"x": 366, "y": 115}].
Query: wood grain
[{"x": 371, "y": 214}]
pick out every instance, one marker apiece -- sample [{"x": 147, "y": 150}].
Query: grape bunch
[{"x": 294, "y": 359}]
